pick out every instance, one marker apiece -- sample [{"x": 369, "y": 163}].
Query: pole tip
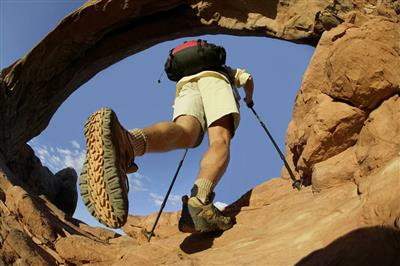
[
  {"x": 149, "y": 235},
  {"x": 297, "y": 184}
]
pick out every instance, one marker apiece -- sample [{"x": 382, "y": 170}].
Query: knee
[
  {"x": 221, "y": 144},
  {"x": 190, "y": 131},
  {"x": 192, "y": 138}
]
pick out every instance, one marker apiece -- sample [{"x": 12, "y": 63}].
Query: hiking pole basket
[
  {"x": 151, "y": 233},
  {"x": 296, "y": 183}
]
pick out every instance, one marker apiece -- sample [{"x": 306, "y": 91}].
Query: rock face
[
  {"x": 343, "y": 140},
  {"x": 353, "y": 78},
  {"x": 59, "y": 188}
]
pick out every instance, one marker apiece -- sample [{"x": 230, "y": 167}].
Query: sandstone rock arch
[{"x": 102, "y": 32}]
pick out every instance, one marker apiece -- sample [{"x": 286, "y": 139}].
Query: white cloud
[
  {"x": 58, "y": 158},
  {"x": 220, "y": 205},
  {"x": 175, "y": 199},
  {"x": 75, "y": 144},
  {"x": 137, "y": 182},
  {"x": 158, "y": 199}
]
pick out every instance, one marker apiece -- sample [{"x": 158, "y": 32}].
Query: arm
[
  {"x": 249, "y": 89},
  {"x": 243, "y": 79}
]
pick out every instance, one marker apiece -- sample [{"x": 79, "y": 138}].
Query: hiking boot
[
  {"x": 199, "y": 217},
  {"x": 109, "y": 157}
]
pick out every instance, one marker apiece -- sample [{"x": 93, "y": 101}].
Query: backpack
[{"x": 192, "y": 57}]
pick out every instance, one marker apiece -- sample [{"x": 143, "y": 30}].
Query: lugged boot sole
[{"x": 102, "y": 181}]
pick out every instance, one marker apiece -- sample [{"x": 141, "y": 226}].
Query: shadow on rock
[
  {"x": 198, "y": 242},
  {"x": 366, "y": 246},
  {"x": 234, "y": 209}
]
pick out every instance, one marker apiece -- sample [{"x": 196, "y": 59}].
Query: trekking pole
[
  {"x": 296, "y": 183},
  {"x": 151, "y": 233}
]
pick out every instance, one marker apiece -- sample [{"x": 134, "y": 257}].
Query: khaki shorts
[{"x": 208, "y": 99}]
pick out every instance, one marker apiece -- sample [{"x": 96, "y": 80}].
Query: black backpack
[{"x": 192, "y": 57}]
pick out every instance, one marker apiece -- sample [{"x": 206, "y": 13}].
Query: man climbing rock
[{"x": 206, "y": 101}]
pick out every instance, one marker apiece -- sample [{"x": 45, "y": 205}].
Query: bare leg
[
  {"x": 198, "y": 212},
  {"x": 166, "y": 136},
  {"x": 216, "y": 159}
]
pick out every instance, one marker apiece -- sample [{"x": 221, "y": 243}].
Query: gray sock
[
  {"x": 203, "y": 190},
  {"x": 138, "y": 140}
]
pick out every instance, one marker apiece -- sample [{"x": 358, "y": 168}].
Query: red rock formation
[
  {"x": 353, "y": 76},
  {"x": 343, "y": 139}
]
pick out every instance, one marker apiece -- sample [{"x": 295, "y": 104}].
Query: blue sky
[{"x": 130, "y": 87}]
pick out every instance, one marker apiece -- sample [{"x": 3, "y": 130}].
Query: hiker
[{"x": 206, "y": 101}]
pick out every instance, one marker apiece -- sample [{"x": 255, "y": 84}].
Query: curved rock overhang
[{"x": 102, "y": 32}]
